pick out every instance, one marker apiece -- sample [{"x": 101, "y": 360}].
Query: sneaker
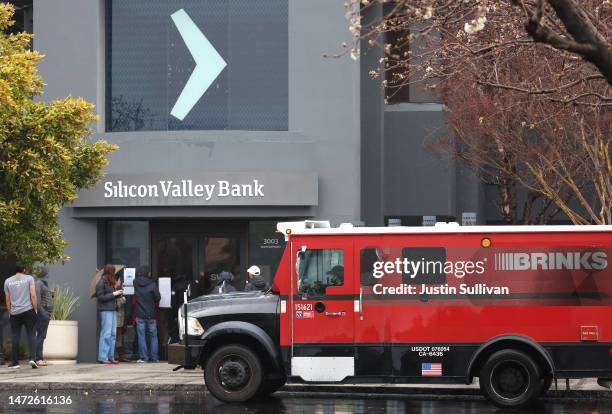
[
  {"x": 154, "y": 361},
  {"x": 33, "y": 364},
  {"x": 114, "y": 361},
  {"x": 141, "y": 361},
  {"x": 14, "y": 366},
  {"x": 107, "y": 362}
]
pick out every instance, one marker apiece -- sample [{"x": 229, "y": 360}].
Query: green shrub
[{"x": 64, "y": 303}]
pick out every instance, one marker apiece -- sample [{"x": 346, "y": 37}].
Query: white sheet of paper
[
  {"x": 128, "y": 290},
  {"x": 129, "y": 274},
  {"x": 165, "y": 290}
]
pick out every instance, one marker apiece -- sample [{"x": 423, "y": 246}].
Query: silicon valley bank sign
[{"x": 203, "y": 189}]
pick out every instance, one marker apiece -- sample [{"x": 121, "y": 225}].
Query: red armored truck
[{"x": 513, "y": 306}]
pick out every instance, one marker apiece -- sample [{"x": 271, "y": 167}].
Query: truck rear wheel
[
  {"x": 510, "y": 379},
  {"x": 233, "y": 373}
]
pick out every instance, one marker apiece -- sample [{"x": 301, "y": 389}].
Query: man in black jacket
[
  {"x": 147, "y": 294},
  {"x": 256, "y": 281}
]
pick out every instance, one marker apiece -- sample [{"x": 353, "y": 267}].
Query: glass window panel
[
  {"x": 149, "y": 64},
  {"x": 266, "y": 248},
  {"x": 129, "y": 243},
  {"x": 318, "y": 269}
]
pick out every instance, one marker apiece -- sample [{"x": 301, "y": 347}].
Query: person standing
[
  {"x": 20, "y": 294},
  {"x": 45, "y": 306},
  {"x": 256, "y": 281},
  {"x": 147, "y": 294},
  {"x": 2, "y": 309},
  {"x": 121, "y": 329},
  {"x": 107, "y": 292},
  {"x": 224, "y": 284}
]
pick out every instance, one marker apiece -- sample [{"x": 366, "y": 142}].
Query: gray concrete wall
[
  {"x": 82, "y": 237},
  {"x": 372, "y": 131},
  {"x": 323, "y": 135},
  {"x": 417, "y": 181}
]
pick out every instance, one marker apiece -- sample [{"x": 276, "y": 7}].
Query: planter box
[{"x": 62, "y": 342}]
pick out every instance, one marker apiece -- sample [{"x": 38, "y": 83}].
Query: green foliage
[
  {"x": 64, "y": 304},
  {"x": 45, "y": 156}
]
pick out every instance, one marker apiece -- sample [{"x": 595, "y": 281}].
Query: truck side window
[
  {"x": 369, "y": 256},
  {"x": 425, "y": 265},
  {"x": 318, "y": 269}
]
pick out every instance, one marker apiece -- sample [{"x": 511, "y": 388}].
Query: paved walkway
[{"x": 160, "y": 377}]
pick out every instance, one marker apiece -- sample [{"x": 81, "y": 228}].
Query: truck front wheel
[
  {"x": 233, "y": 373},
  {"x": 510, "y": 379}
]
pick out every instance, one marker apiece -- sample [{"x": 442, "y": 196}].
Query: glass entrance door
[
  {"x": 174, "y": 257},
  {"x": 196, "y": 259},
  {"x": 219, "y": 254}
]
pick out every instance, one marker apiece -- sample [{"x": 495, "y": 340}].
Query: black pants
[
  {"x": 27, "y": 318},
  {"x": 42, "y": 324}
]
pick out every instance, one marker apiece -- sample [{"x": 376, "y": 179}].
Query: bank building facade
[{"x": 228, "y": 119}]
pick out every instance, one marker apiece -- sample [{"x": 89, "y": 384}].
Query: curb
[
  {"x": 364, "y": 390},
  {"x": 432, "y": 392}
]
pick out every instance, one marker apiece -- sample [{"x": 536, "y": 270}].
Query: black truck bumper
[{"x": 187, "y": 356}]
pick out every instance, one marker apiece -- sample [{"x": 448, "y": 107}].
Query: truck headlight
[{"x": 194, "y": 328}]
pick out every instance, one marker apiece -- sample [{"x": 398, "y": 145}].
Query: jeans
[
  {"x": 42, "y": 324},
  {"x": 147, "y": 328},
  {"x": 108, "y": 335},
  {"x": 27, "y": 318}
]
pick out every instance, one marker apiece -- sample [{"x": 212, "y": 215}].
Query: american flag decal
[{"x": 431, "y": 370}]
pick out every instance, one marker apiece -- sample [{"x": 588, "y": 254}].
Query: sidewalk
[{"x": 159, "y": 377}]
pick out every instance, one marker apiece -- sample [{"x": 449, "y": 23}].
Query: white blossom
[{"x": 475, "y": 25}]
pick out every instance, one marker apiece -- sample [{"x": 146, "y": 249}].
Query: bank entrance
[
  {"x": 194, "y": 254},
  {"x": 188, "y": 252}
]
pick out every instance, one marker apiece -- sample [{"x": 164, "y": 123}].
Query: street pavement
[
  {"x": 160, "y": 377},
  {"x": 120, "y": 401},
  {"x": 155, "y": 388}
]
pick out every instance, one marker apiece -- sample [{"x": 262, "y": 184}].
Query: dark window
[
  {"x": 425, "y": 265},
  {"x": 369, "y": 256},
  {"x": 149, "y": 65},
  {"x": 318, "y": 269},
  {"x": 266, "y": 247},
  {"x": 23, "y": 17},
  {"x": 129, "y": 243}
]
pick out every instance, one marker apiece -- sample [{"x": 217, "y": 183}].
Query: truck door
[{"x": 322, "y": 309}]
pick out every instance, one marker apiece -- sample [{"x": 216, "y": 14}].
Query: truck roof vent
[
  {"x": 289, "y": 227},
  {"x": 313, "y": 224},
  {"x": 449, "y": 224}
]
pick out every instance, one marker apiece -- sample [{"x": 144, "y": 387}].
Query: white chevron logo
[{"x": 209, "y": 64}]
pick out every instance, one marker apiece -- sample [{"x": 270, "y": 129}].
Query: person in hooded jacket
[
  {"x": 224, "y": 284},
  {"x": 44, "y": 301},
  {"x": 256, "y": 281},
  {"x": 147, "y": 294}
]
